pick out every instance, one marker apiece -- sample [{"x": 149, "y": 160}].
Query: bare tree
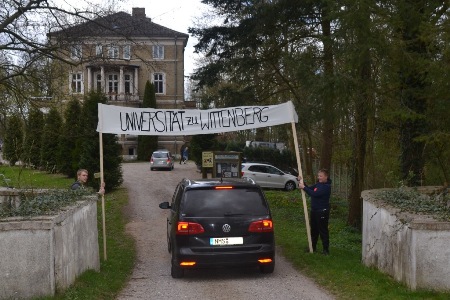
[{"x": 24, "y": 25}]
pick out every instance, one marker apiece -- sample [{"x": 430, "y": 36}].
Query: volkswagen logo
[{"x": 226, "y": 228}]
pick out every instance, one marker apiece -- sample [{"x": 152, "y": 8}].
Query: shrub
[
  {"x": 411, "y": 200},
  {"x": 47, "y": 202}
]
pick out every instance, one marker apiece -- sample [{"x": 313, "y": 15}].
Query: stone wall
[
  {"x": 413, "y": 249},
  {"x": 43, "y": 254}
]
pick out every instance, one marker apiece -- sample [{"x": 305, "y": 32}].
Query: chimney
[{"x": 139, "y": 12}]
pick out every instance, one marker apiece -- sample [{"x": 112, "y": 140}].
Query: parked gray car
[
  {"x": 162, "y": 159},
  {"x": 268, "y": 176}
]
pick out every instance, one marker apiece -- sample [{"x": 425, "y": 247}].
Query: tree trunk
[
  {"x": 358, "y": 164},
  {"x": 326, "y": 150},
  {"x": 363, "y": 101},
  {"x": 413, "y": 78}
]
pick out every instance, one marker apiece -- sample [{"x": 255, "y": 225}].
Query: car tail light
[
  {"x": 151, "y": 160},
  {"x": 265, "y": 260},
  {"x": 187, "y": 263},
  {"x": 261, "y": 226},
  {"x": 242, "y": 174},
  {"x": 187, "y": 228}
]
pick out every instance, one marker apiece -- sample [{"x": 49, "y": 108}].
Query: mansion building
[{"x": 117, "y": 55}]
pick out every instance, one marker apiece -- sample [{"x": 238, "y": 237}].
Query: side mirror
[{"x": 164, "y": 205}]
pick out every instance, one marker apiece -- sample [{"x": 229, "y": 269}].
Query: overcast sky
[{"x": 174, "y": 14}]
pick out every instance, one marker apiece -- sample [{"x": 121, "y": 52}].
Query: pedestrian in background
[
  {"x": 185, "y": 154},
  {"x": 181, "y": 153},
  {"x": 320, "y": 209}
]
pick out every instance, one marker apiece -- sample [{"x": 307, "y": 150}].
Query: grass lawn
[
  {"x": 342, "y": 272},
  {"x": 22, "y": 178}
]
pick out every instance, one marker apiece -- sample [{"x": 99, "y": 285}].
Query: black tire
[
  {"x": 290, "y": 186},
  {"x": 267, "y": 269},
  {"x": 176, "y": 271},
  {"x": 151, "y": 169}
]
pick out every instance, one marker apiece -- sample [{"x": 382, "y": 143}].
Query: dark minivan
[{"x": 219, "y": 223}]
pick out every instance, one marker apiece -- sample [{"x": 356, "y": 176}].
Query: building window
[
  {"x": 113, "y": 51},
  {"x": 126, "y": 52},
  {"x": 99, "y": 82},
  {"x": 158, "y": 52},
  {"x": 128, "y": 83},
  {"x": 158, "y": 82},
  {"x": 76, "y": 51},
  {"x": 76, "y": 83},
  {"x": 113, "y": 83},
  {"x": 99, "y": 50}
]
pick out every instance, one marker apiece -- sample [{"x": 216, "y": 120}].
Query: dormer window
[
  {"x": 113, "y": 51},
  {"x": 126, "y": 52},
  {"x": 76, "y": 51},
  {"x": 158, "y": 52},
  {"x": 98, "y": 50}
]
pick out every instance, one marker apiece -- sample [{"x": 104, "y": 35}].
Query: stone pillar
[
  {"x": 135, "y": 83},
  {"x": 89, "y": 79},
  {"x": 102, "y": 72},
  {"x": 121, "y": 85}
]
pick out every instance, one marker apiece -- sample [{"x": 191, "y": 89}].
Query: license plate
[
  {"x": 161, "y": 162},
  {"x": 226, "y": 241}
]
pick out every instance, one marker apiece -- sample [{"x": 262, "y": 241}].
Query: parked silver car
[
  {"x": 269, "y": 176},
  {"x": 161, "y": 159}
]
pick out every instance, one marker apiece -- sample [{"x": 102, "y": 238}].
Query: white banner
[{"x": 152, "y": 121}]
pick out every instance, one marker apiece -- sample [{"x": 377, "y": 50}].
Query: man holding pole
[
  {"x": 82, "y": 178},
  {"x": 320, "y": 208}
]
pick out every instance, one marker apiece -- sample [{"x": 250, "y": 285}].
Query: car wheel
[
  {"x": 289, "y": 186},
  {"x": 176, "y": 271},
  {"x": 267, "y": 269}
]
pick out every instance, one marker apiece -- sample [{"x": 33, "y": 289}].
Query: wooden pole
[
  {"x": 102, "y": 180},
  {"x": 300, "y": 172},
  {"x": 103, "y": 197}
]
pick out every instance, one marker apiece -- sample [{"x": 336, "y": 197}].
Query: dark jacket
[
  {"x": 320, "y": 195},
  {"x": 77, "y": 185}
]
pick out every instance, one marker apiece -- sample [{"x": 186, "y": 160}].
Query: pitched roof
[{"x": 119, "y": 24}]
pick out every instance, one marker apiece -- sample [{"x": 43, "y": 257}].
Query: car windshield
[
  {"x": 160, "y": 155},
  {"x": 228, "y": 202}
]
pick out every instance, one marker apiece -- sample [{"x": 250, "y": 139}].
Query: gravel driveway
[{"x": 151, "y": 276}]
